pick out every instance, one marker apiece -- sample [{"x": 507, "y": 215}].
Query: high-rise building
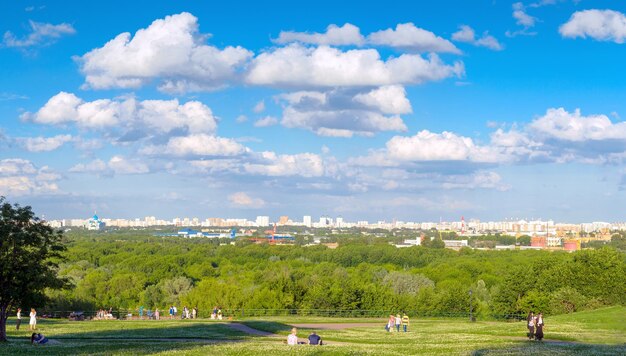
[
  {"x": 339, "y": 222},
  {"x": 262, "y": 221},
  {"x": 306, "y": 220},
  {"x": 283, "y": 220}
]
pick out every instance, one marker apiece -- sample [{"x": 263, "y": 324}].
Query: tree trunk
[{"x": 3, "y": 323}]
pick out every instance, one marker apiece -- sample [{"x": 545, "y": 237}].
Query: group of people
[
  {"x": 216, "y": 313},
  {"x": 535, "y": 326},
  {"x": 313, "y": 338},
  {"x": 104, "y": 314},
  {"x": 395, "y": 322},
  {"x": 32, "y": 323}
]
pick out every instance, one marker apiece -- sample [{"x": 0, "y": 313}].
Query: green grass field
[{"x": 599, "y": 332}]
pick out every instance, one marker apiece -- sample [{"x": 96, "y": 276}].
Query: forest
[{"x": 126, "y": 270}]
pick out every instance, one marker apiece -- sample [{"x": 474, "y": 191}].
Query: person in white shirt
[
  {"x": 32, "y": 325},
  {"x": 292, "y": 339}
]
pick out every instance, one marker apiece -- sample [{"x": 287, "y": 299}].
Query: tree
[{"x": 29, "y": 253}]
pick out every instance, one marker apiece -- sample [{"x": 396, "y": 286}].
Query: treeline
[{"x": 362, "y": 273}]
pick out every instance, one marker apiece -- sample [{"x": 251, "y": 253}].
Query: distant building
[
  {"x": 283, "y": 220},
  {"x": 455, "y": 244},
  {"x": 306, "y": 220},
  {"x": 94, "y": 224},
  {"x": 262, "y": 221}
]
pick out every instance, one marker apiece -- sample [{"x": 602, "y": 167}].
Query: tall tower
[{"x": 462, "y": 225}]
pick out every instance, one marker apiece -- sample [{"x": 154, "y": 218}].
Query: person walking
[
  {"x": 32, "y": 325},
  {"x": 530, "y": 324},
  {"x": 539, "y": 327},
  {"x": 157, "y": 315},
  {"x": 398, "y": 322},
  {"x": 194, "y": 312},
  {"x": 18, "y": 321},
  {"x": 390, "y": 323},
  {"x": 405, "y": 322}
]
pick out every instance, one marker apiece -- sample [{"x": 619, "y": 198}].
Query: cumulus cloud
[
  {"x": 44, "y": 144},
  {"x": 557, "y": 123},
  {"x": 522, "y": 18},
  {"x": 272, "y": 164},
  {"x": 196, "y": 145},
  {"x": 343, "y": 112},
  {"x": 408, "y": 36},
  {"x": 388, "y": 99},
  {"x": 601, "y": 25},
  {"x": 243, "y": 200},
  {"x": 116, "y": 165},
  {"x": 171, "y": 51},
  {"x": 480, "y": 179},
  {"x": 430, "y": 146},
  {"x": 266, "y": 121},
  {"x": 519, "y": 14},
  {"x": 19, "y": 177},
  {"x": 41, "y": 34},
  {"x": 299, "y": 66},
  {"x": 124, "y": 115},
  {"x": 345, "y": 35},
  {"x": 467, "y": 34},
  {"x": 259, "y": 107}
]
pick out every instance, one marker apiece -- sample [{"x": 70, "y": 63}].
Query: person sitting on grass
[
  {"x": 292, "y": 339},
  {"x": 38, "y": 339},
  {"x": 314, "y": 339}
]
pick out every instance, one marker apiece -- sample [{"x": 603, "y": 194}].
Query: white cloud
[
  {"x": 19, "y": 177},
  {"x": 298, "y": 66},
  {"x": 430, "y": 146},
  {"x": 96, "y": 166},
  {"x": 266, "y": 121},
  {"x": 388, "y": 99},
  {"x": 44, "y": 144},
  {"x": 408, "y": 36},
  {"x": 345, "y": 35},
  {"x": 41, "y": 34},
  {"x": 196, "y": 145},
  {"x": 170, "y": 50},
  {"x": 563, "y": 125},
  {"x": 272, "y": 164},
  {"x": 480, "y": 179},
  {"x": 121, "y": 165},
  {"x": 243, "y": 200},
  {"x": 148, "y": 116},
  {"x": 343, "y": 113},
  {"x": 519, "y": 14},
  {"x": 116, "y": 165},
  {"x": 601, "y": 25},
  {"x": 241, "y": 119},
  {"x": 467, "y": 34},
  {"x": 259, "y": 107}
]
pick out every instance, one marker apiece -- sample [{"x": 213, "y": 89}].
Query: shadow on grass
[
  {"x": 124, "y": 338},
  {"x": 553, "y": 347},
  {"x": 269, "y": 326}
]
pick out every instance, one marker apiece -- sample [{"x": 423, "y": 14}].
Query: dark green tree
[{"x": 29, "y": 253}]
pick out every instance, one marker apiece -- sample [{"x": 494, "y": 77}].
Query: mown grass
[{"x": 600, "y": 332}]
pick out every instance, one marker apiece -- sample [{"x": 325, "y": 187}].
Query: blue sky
[{"x": 412, "y": 110}]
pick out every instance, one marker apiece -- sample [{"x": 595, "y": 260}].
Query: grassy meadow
[{"x": 599, "y": 332}]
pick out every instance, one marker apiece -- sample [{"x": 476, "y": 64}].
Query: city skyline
[{"x": 420, "y": 113}]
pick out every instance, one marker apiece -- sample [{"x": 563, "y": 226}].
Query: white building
[
  {"x": 262, "y": 221},
  {"x": 94, "y": 224},
  {"x": 306, "y": 220}
]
